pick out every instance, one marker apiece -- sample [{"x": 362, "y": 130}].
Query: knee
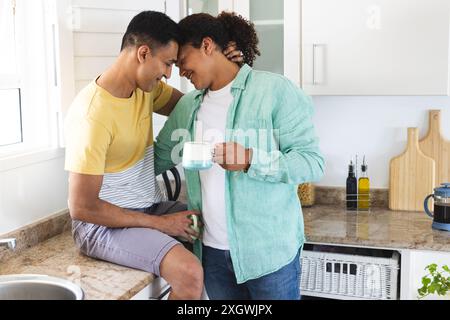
[
  {"x": 191, "y": 279},
  {"x": 183, "y": 271},
  {"x": 193, "y": 273}
]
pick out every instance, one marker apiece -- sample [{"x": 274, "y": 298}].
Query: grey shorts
[{"x": 139, "y": 248}]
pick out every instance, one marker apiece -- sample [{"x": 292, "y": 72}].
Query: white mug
[{"x": 197, "y": 156}]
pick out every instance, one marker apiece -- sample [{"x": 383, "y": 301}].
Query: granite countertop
[
  {"x": 379, "y": 228},
  {"x": 324, "y": 224},
  {"x": 59, "y": 257},
  {"x": 46, "y": 247}
]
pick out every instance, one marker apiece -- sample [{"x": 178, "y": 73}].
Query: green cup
[{"x": 194, "y": 225}]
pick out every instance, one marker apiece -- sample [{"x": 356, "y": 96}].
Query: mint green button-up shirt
[{"x": 264, "y": 218}]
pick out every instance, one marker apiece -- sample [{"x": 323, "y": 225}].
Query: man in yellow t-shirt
[{"x": 114, "y": 200}]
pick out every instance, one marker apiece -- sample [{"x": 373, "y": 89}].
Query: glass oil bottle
[
  {"x": 351, "y": 188},
  {"x": 364, "y": 188}
]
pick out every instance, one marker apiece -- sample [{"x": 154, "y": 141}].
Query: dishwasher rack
[{"x": 349, "y": 276}]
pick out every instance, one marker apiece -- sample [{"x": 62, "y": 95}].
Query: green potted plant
[{"x": 437, "y": 281}]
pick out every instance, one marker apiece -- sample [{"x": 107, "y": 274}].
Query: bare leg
[{"x": 183, "y": 271}]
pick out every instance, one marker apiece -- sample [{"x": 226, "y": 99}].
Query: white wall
[
  {"x": 29, "y": 192},
  {"x": 371, "y": 126},
  {"x": 33, "y": 184}
]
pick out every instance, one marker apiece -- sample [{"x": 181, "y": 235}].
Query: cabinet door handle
[{"x": 317, "y": 63}]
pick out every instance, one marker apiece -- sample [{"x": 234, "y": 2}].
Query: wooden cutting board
[
  {"x": 411, "y": 176},
  {"x": 437, "y": 148}
]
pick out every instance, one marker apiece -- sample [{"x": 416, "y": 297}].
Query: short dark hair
[
  {"x": 227, "y": 26},
  {"x": 150, "y": 28}
]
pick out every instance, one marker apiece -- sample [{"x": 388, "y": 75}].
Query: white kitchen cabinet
[
  {"x": 413, "y": 269},
  {"x": 350, "y": 47},
  {"x": 157, "y": 290},
  {"x": 375, "y": 47},
  {"x": 277, "y": 23},
  {"x": 278, "y": 26}
]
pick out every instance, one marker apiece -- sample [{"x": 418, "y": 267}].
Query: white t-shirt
[{"x": 211, "y": 124}]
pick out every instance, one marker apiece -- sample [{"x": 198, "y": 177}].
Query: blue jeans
[{"x": 221, "y": 284}]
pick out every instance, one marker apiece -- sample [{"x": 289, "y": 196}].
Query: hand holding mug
[
  {"x": 185, "y": 224},
  {"x": 195, "y": 226},
  {"x": 232, "y": 156}
]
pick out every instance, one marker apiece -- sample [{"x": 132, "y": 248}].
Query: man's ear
[
  {"x": 143, "y": 52},
  {"x": 208, "y": 45}
]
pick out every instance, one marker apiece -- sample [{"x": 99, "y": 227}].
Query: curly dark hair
[
  {"x": 151, "y": 28},
  {"x": 226, "y": 27}
]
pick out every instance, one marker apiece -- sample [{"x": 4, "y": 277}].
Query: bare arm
[
  {"x": 85, "y": 205},
  {"x": 170, "y": 105}
]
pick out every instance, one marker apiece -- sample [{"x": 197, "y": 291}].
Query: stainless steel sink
[{"x": 38, "y": 287}]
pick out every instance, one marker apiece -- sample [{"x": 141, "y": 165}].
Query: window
[
  {"x": 27, "y": 111},
  {"x": 10, "y": 111},
  {"x": 7, "y": 34},
  {"x": 10, "y": 117}
]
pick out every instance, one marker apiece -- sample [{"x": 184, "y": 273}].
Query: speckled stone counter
[
  {"x": 379, "y": 228},
  {"x": 59, "y": 257},
  {"x": 46, "y": 247}
]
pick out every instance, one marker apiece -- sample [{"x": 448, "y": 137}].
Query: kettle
[{"x": 441, "y": 214}]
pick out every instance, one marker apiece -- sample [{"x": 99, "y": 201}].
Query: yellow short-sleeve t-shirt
[{"x": 113, "y": 137}]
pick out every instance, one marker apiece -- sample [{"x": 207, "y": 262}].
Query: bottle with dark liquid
[{"x": 351, "y": 188}]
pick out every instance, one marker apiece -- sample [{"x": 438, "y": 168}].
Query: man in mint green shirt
[{"x": 253, "y": 223}]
